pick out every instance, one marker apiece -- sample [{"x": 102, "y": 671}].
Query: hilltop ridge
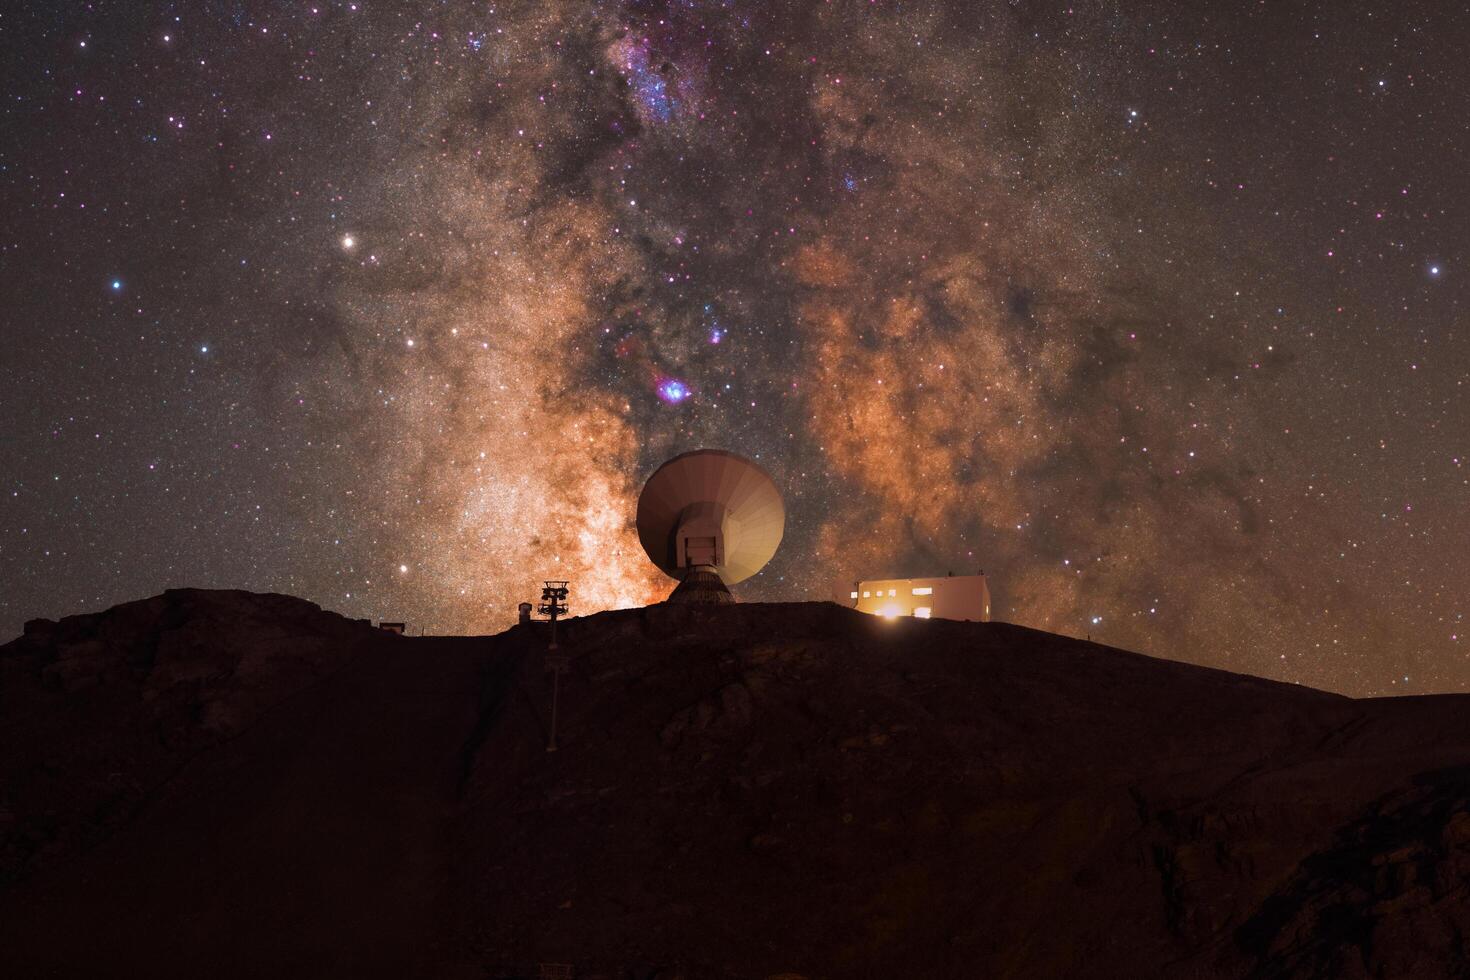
[{"x": 234, "y": 784}]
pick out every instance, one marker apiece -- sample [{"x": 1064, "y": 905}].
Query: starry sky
[{"x": 1154, "y": 311}]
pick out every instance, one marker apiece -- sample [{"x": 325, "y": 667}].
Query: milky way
[{"x": 1152, "y": 315}]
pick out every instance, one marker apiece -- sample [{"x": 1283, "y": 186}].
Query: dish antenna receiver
[{"x": 710, "y": 519}]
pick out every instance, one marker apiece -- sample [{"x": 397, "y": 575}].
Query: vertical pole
[
  {"x": 553, "y": 604},
  {"x": 555, "y": 690}
]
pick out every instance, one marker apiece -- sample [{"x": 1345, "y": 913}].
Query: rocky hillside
[{"x": 225, "y": 784}]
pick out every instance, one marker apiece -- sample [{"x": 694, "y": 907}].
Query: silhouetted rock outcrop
[{"x": 225, "y": 784}]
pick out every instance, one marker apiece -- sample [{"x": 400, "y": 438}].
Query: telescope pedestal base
[{"x": 701, "y": 584}]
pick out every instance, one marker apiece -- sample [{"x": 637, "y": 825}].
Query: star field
[{"x": 1155, "y": 314}]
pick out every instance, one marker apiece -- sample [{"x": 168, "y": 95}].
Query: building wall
[{"x": 965, "y": 597}]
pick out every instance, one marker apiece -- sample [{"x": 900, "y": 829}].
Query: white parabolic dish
[{"x": 710, "y": 494}]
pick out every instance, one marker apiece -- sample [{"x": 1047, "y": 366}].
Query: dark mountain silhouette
[{"x": 224, "y": 784}]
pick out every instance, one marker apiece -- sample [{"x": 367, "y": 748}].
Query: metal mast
[{"x": 554, "y": 604}]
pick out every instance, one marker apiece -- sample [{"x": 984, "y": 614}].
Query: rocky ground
[{"x": 233, "y": 785}]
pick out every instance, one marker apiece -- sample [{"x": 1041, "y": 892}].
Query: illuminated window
[
  {"x": 867, "y": 595},
  {"x": 890, "y": 611},
  {"x": 922, "y": 612},
  {"x": 926, "y": 590},
  {"x": 854, "y": 595},
  {"x": 892, "y": 592}
]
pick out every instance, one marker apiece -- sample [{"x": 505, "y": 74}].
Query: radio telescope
[{"x": 710, "y": 519}]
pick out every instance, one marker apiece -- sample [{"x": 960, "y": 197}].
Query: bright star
[
  {"x": 116, "y": 285},
  {"x": 348, "y": 241}
]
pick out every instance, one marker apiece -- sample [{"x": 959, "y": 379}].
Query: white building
[{"x": 964, "y": 597}]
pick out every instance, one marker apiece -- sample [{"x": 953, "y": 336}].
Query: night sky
[{"x": 1156, "y": 314}]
